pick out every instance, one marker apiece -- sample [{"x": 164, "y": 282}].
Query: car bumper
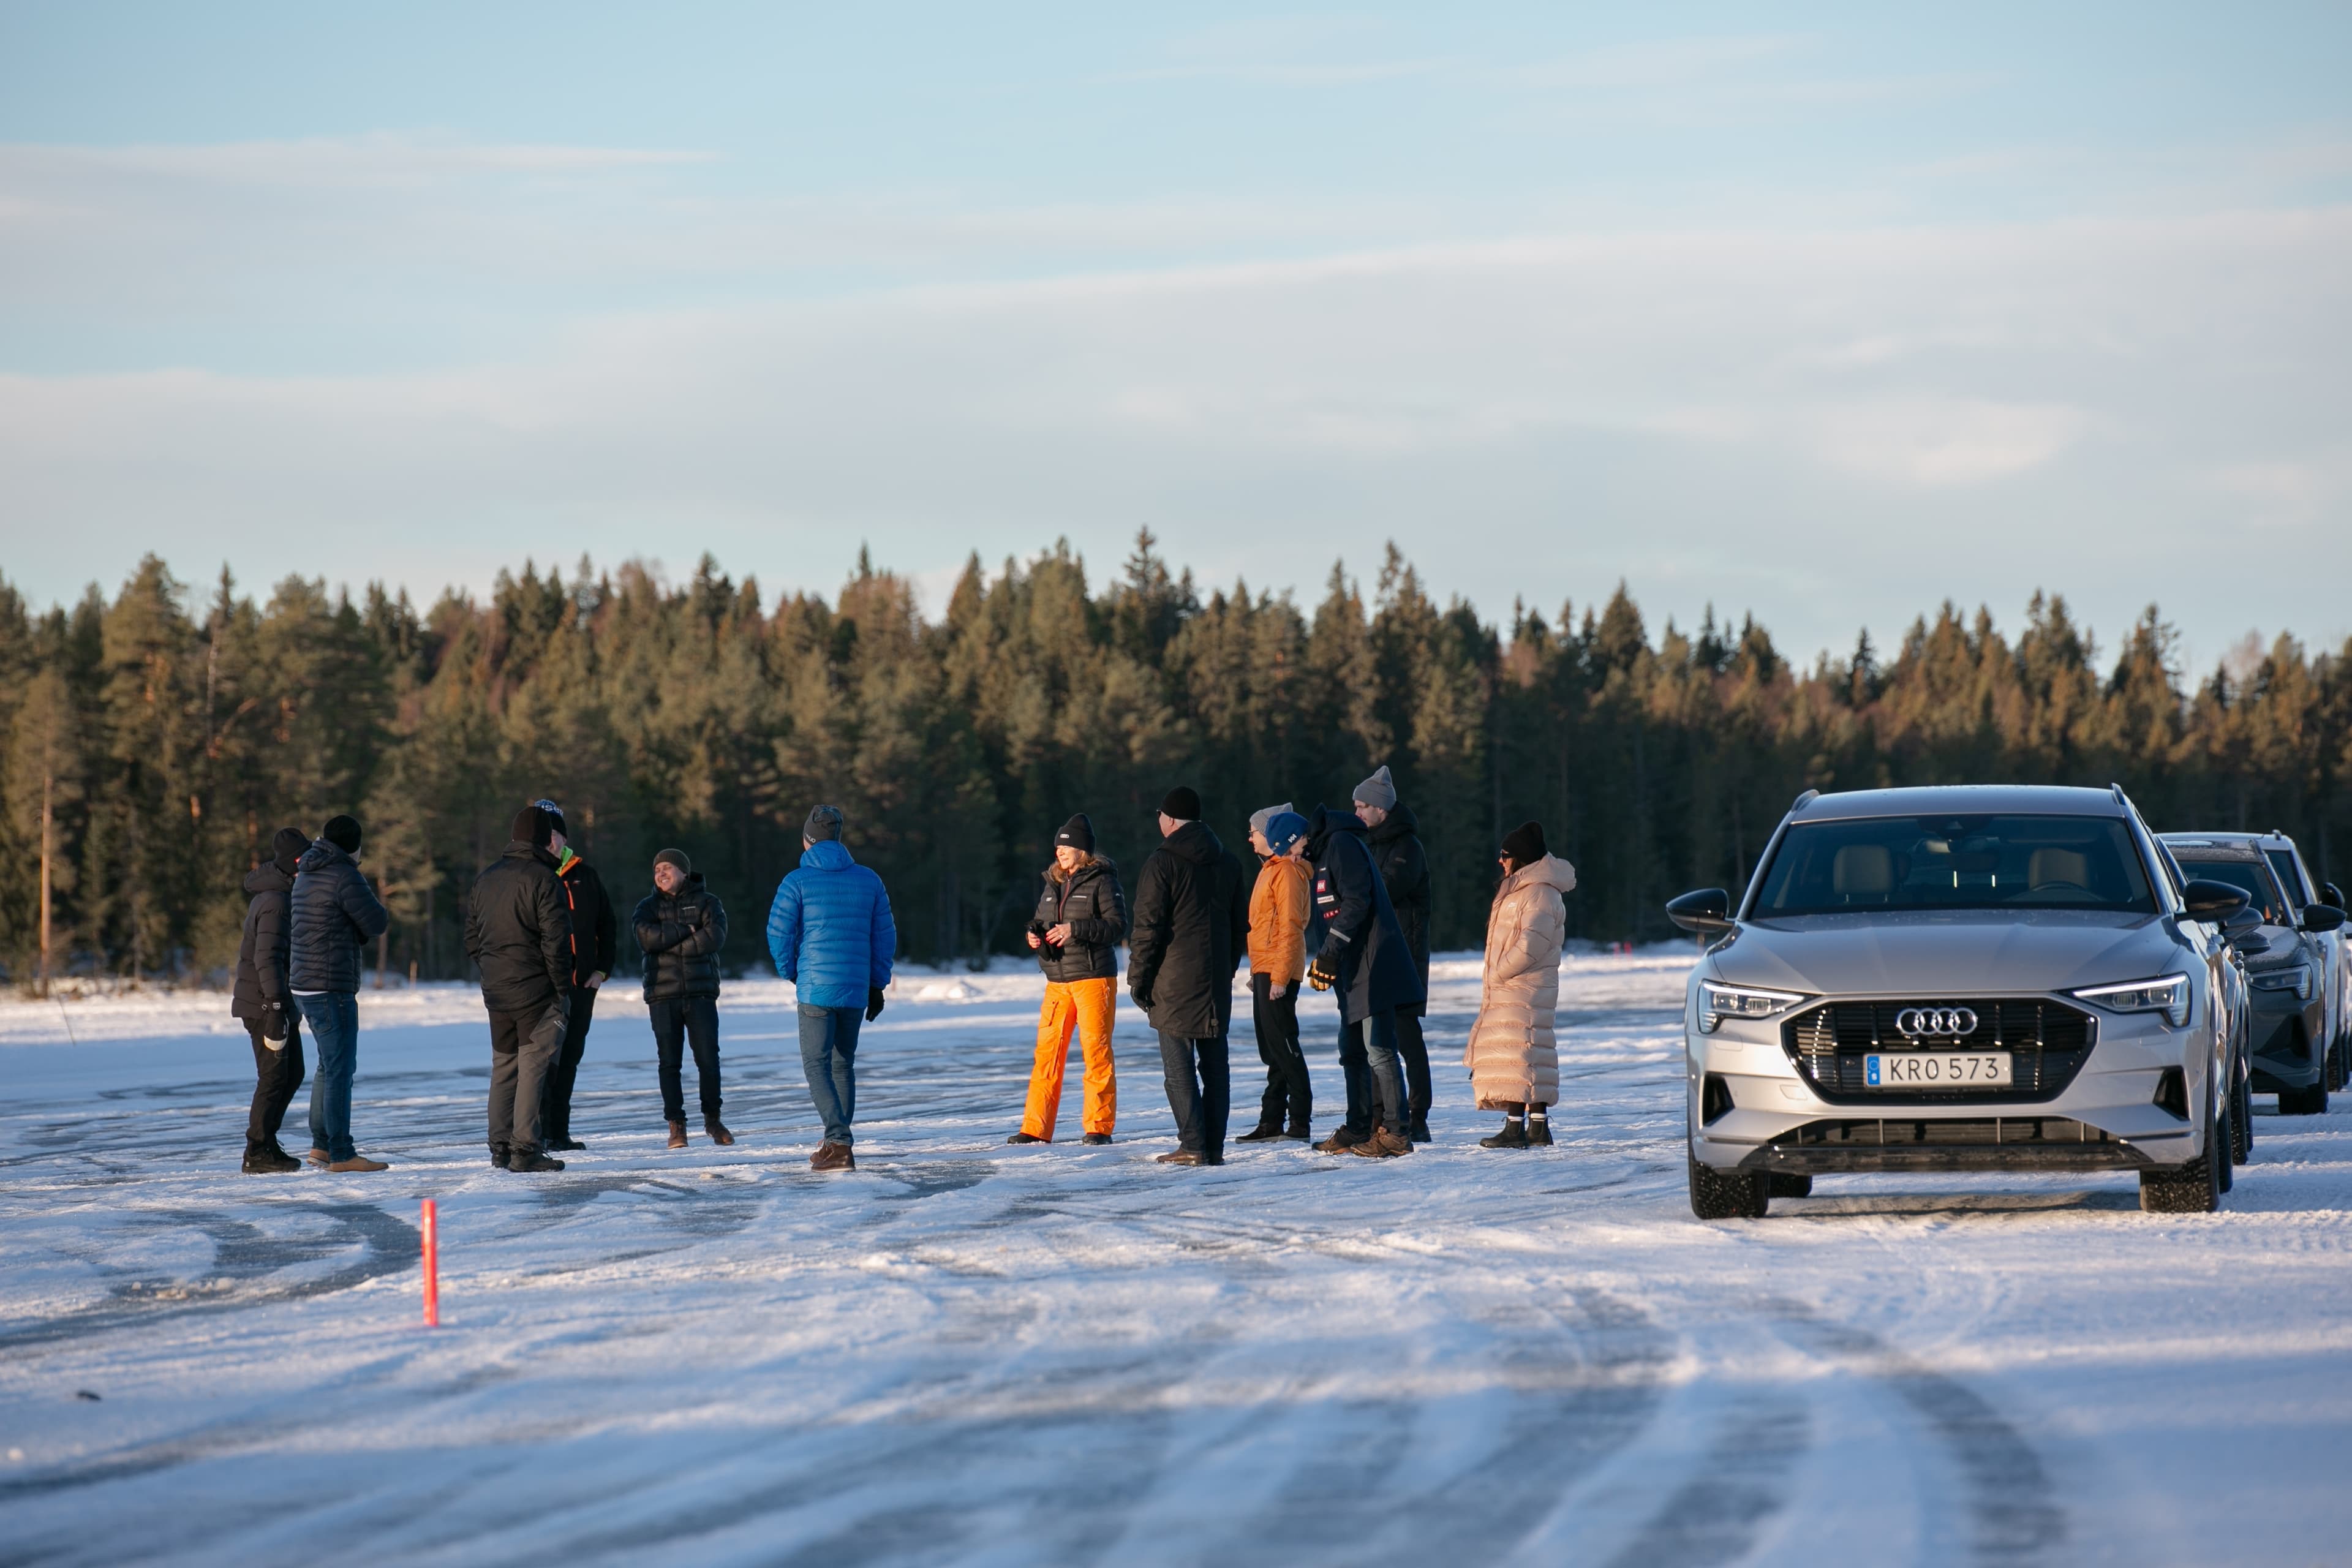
[{"x": 2105, "y": 1120}]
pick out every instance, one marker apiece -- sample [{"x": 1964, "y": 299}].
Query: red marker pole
[{"x": 432, "y": 1266}]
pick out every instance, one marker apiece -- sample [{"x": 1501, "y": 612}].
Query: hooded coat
[
  {"x": 1191, "y": 922},
  {"x": 330, "y": 915},
  {"x": 830, "y": 929},
  {"x": 1094, "y": 904},
  {"x": 594, "y": 948},
  {"x": 1404, "y": 872},
  {"x": 262, "y": 951},
  {"x": 518, "y": 931},
  {"x": 1514, "y": 1055},
  {"x": 1360, "y": 939},
  {"x": 680, "y": 935}
]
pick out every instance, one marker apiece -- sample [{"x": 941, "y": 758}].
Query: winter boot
[
  {"x": 1302, "y": 1131},
  {"x": 1025, "y": 1136},
  {"x": 1098, "y": 1139},
  {"x": 318, "y": 1157},
  {"x": 1514, "y": 1135},
  {"x": 717, "y": 1131},
  {"x": 567, "y": 1144},
  {"x": 501, "y": 1155},
  {"x": 1386, "y": 1144},
  {"x": 357, "y": 1163},
  {"x": 1264, "y": 1132},
  {"x": 833, "y": 1157},
  {"x": 269, "y": 1159},
  {"x": 1177, "y": 1157},
  {"x": 526, "y": 1161},
  {"x": 1538, "y": 1128},
  {"x": 1343, "y": 1138},
  {"x": 1418, "y": 1130},
  {"x": 677, "y": 1134}
]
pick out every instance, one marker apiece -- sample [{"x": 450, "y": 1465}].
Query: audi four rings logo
[{"x": 1921, "y": 1022}]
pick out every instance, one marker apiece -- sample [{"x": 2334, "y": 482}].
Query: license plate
[{"x": 1937, "y": 1069}]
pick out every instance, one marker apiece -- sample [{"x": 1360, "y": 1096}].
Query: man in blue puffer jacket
[{"x": 831, "y": 935}]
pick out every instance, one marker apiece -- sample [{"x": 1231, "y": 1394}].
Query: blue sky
[{"x": 1826, "y": 313}]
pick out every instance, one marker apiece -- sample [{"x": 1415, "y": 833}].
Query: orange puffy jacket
[{"x": 1277, "y": 917}]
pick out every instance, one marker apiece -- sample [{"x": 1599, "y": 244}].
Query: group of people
[{"x": 1341, "y": 903}]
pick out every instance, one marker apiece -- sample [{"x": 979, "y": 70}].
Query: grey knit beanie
[
  {"x": 1379, "y": 790},
  {"x": 1259, "y": 818}
]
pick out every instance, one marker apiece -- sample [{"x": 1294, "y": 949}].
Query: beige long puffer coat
[{"x": 1513, "y": 1056}]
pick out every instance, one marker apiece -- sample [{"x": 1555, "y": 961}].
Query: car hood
[{"x": 1948, "y": 952}]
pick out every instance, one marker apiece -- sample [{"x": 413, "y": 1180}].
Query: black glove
[
  {"x": 873, "y": 1003},
  {"x": 273, "y": 1021},
  {"x": 1142, "y": 999},
  {"x": 1320, "y": 975}
]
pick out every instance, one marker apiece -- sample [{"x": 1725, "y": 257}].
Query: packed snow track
[{"x": 966, "y": 1352}]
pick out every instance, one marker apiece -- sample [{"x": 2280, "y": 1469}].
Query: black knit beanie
[
  {"x": 286, "y": 847},
  {"x": 343, "y": 833},
  {"x": 1078, "y": 833},
  {"x": 531, "y": 827},
  {"x": 677, "y": 858},
  {"x": 1525, "y": 843},
  {"x": 1182, "y": 803}
]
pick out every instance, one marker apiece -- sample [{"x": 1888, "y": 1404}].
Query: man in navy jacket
[
  {"x": 1365, "y": 961},
  {"x": 831, "y": 934}
]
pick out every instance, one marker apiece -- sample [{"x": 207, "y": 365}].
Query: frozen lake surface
[{"x": 966, "y": 1352}]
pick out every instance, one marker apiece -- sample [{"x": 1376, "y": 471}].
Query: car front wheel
[
  {"x": 2192, "y": 1188},
  {"x": 1727, "y": 1194}
]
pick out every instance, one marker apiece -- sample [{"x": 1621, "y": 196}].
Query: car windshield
[
  {"x": 1985, "y": 862},
  {"x": 2250, "y": 878}
]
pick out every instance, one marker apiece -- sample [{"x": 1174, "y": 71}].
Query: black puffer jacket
[
  {"x": 681, "y": 935},
  {"x": 593, "y": 926},
  {"x": 518, "y": 930},
  {"x": 1192, "y": 928},
  {"x": 1361, "y": 942},
  {"x": 1096, "y": 908},
  {"x": 1404, "y": 872},
  {"x": 261, "y": 951},
  {"x": 330, "y": 914}
]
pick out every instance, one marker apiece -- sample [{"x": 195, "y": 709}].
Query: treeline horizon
[{"x": 168, "y": 731}]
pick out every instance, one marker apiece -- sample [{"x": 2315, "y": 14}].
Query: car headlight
[
  {"x": 2297, "y": 980},
  {"x": 2168, "y": 996},
  {"x": 1717, "y": 1003}
]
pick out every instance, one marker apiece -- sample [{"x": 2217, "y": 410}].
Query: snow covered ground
[{"x": 971, "y": 1354}]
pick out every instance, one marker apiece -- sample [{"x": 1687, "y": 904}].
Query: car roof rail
[
  {"x": 2117, "y": 791},
  {"x": 1805, "y": 800}
]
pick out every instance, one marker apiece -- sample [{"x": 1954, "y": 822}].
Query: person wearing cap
[
  {"x": 331, "y": 915},
  {"x": 1278, "y": 958},
  {"x": 1514, "y": 1053},
  {"x": 1192, "y": 921},
  {"x": 592, "y": 955},
  {"x": 519, "y": 934},
  {"x": 831, "y": 934},
  {"x": 262, "y": 1001},
  {"x": 1080, "y": 921},
  {"x": 1395, "y": 842},
  {"x": 680, "y": 926},
  {"x": 1362, "y": 958}
]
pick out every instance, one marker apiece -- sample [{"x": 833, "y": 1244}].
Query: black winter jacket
[
  {"x": 518, "y": 931},
  {"x": 593, "y": 926},
  {"x": 332, "y": 913},
  {"x": 1092, "y": 902},
  {"x": 261, "y": 950},
  {"x": 681, "y": 935},
  {"x": 1361, "y": 942},
  {"x": 1404, "y": 872},
  {"x": 1191, "y": 932}
]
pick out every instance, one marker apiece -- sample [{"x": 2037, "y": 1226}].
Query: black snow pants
[
  {"x": 276, "y": 1076},
  {"x": 1290, "y": 1093}
]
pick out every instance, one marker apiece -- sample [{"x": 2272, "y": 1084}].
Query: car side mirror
[
  {"x": 2206, "y": 899},
  {"x": 1704, "y": 912},
  {"x": 2322, "y": 916}
]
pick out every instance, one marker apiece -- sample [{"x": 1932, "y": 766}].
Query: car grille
[{"x": 2048, "y": 1042}]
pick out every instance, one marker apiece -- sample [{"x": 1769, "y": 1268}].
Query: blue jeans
[
  {"x": 829, "y": 1056},
  {"x": 1370, "y": 1066},
  {"x": 335, "y": 1020},
  {"x": 1200, "y": 1091}
]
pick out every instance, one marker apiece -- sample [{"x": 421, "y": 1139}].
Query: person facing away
[
  {"x": 263, "y": 1001},
  {"x": 680, "y": 926},
  {"x": 592, "y": 955},
  {"x": 519, "y": 934},
  {"x": 1514, "y": 1053},
  {"x": 330, "y": 914},
  {"x": 1277, "y": 957},
  {"x": 831, "y": 934},
  {"x": 1362, "y": 958},
  {"x": 1394, "y": 840},
  {"x": 1080, "y": 921},
  {"x": 1191, "y": 919}
]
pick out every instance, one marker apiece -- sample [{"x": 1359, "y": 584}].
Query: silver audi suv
[{"x": 1961, "y": 978}]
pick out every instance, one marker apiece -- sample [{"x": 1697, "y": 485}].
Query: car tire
[
  {"x": 2192, "y": 1188},
  {"x": 2241, "y": 1121},
  {"x": 1783, "y": 1185},
  {"x": 2336, "y": 1062},
  {"x": 1727, "y": 1194},
  {"x": 2312, "y": 1101}
]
